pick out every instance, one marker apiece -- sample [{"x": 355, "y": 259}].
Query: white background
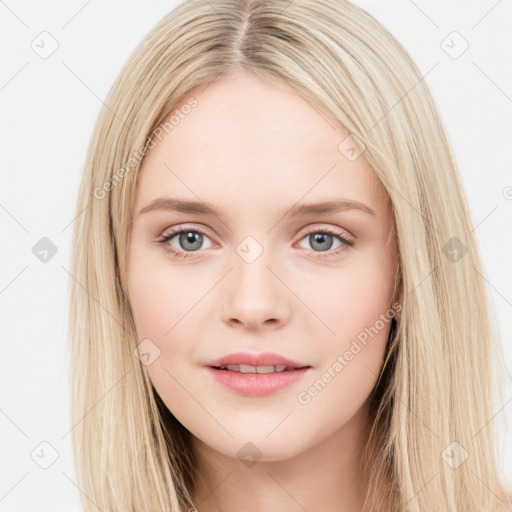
[{"x": 48, "y": 110}]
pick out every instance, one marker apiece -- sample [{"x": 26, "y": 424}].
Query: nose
[{"x": 255, "y": 296}]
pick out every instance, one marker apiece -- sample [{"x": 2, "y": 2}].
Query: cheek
[
  {"x": 160, "y": 296},
  {"x": 354, "y": 307},
  {"x": 351, "y": 362},
  {"x": 351, "y": 300},
  {"x": 166, "y": 310}
]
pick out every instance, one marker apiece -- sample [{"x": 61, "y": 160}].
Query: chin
[{"x": 255, "y": 444}]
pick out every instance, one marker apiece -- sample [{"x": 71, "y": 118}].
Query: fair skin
[{"x": 253, "y": 150}]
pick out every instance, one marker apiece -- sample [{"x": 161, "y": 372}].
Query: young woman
[{"x": 324, "y": 342}]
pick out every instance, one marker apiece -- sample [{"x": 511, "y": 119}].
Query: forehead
[{"x": 248, "y": 141}]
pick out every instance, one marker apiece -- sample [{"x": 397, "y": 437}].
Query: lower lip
[{"x": 257, "y": 384}]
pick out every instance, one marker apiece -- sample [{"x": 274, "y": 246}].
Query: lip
[
  {"x": 262, "y": 359},
  {"x": 257, "y": 384}
]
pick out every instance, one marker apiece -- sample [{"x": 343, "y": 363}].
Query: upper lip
[{"x": 262, "y": 359}]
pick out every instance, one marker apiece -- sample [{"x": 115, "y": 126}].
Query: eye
[
  {"x": 190, "y": 241},
  {"x": 322, "y": 239}
]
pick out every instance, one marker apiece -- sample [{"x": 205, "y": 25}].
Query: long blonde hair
[{"x": 437, "y": 386}]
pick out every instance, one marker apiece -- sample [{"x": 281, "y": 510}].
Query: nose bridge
[
  {"x": 255, "y": 294},
  {"x": 251, "y": 268}
]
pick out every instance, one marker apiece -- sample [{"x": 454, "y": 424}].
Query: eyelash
[{"x": 184, "y": 255}]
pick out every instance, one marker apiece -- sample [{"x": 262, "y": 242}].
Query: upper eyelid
[
  {"x": 180, "y": 228},
  {"x": 342, "y": 231}
]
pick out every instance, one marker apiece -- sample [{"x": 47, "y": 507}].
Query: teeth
[{"x": 247, "y": 368}]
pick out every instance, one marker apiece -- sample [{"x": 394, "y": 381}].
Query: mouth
[
  {"x": 264, "y": 362},
  {"x": 247, "y": 368}
]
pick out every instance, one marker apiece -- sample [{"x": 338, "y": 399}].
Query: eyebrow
[{"x": 204, "y": 208}]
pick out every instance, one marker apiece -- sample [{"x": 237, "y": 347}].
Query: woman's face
[{"x": 257, "y": 278}]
